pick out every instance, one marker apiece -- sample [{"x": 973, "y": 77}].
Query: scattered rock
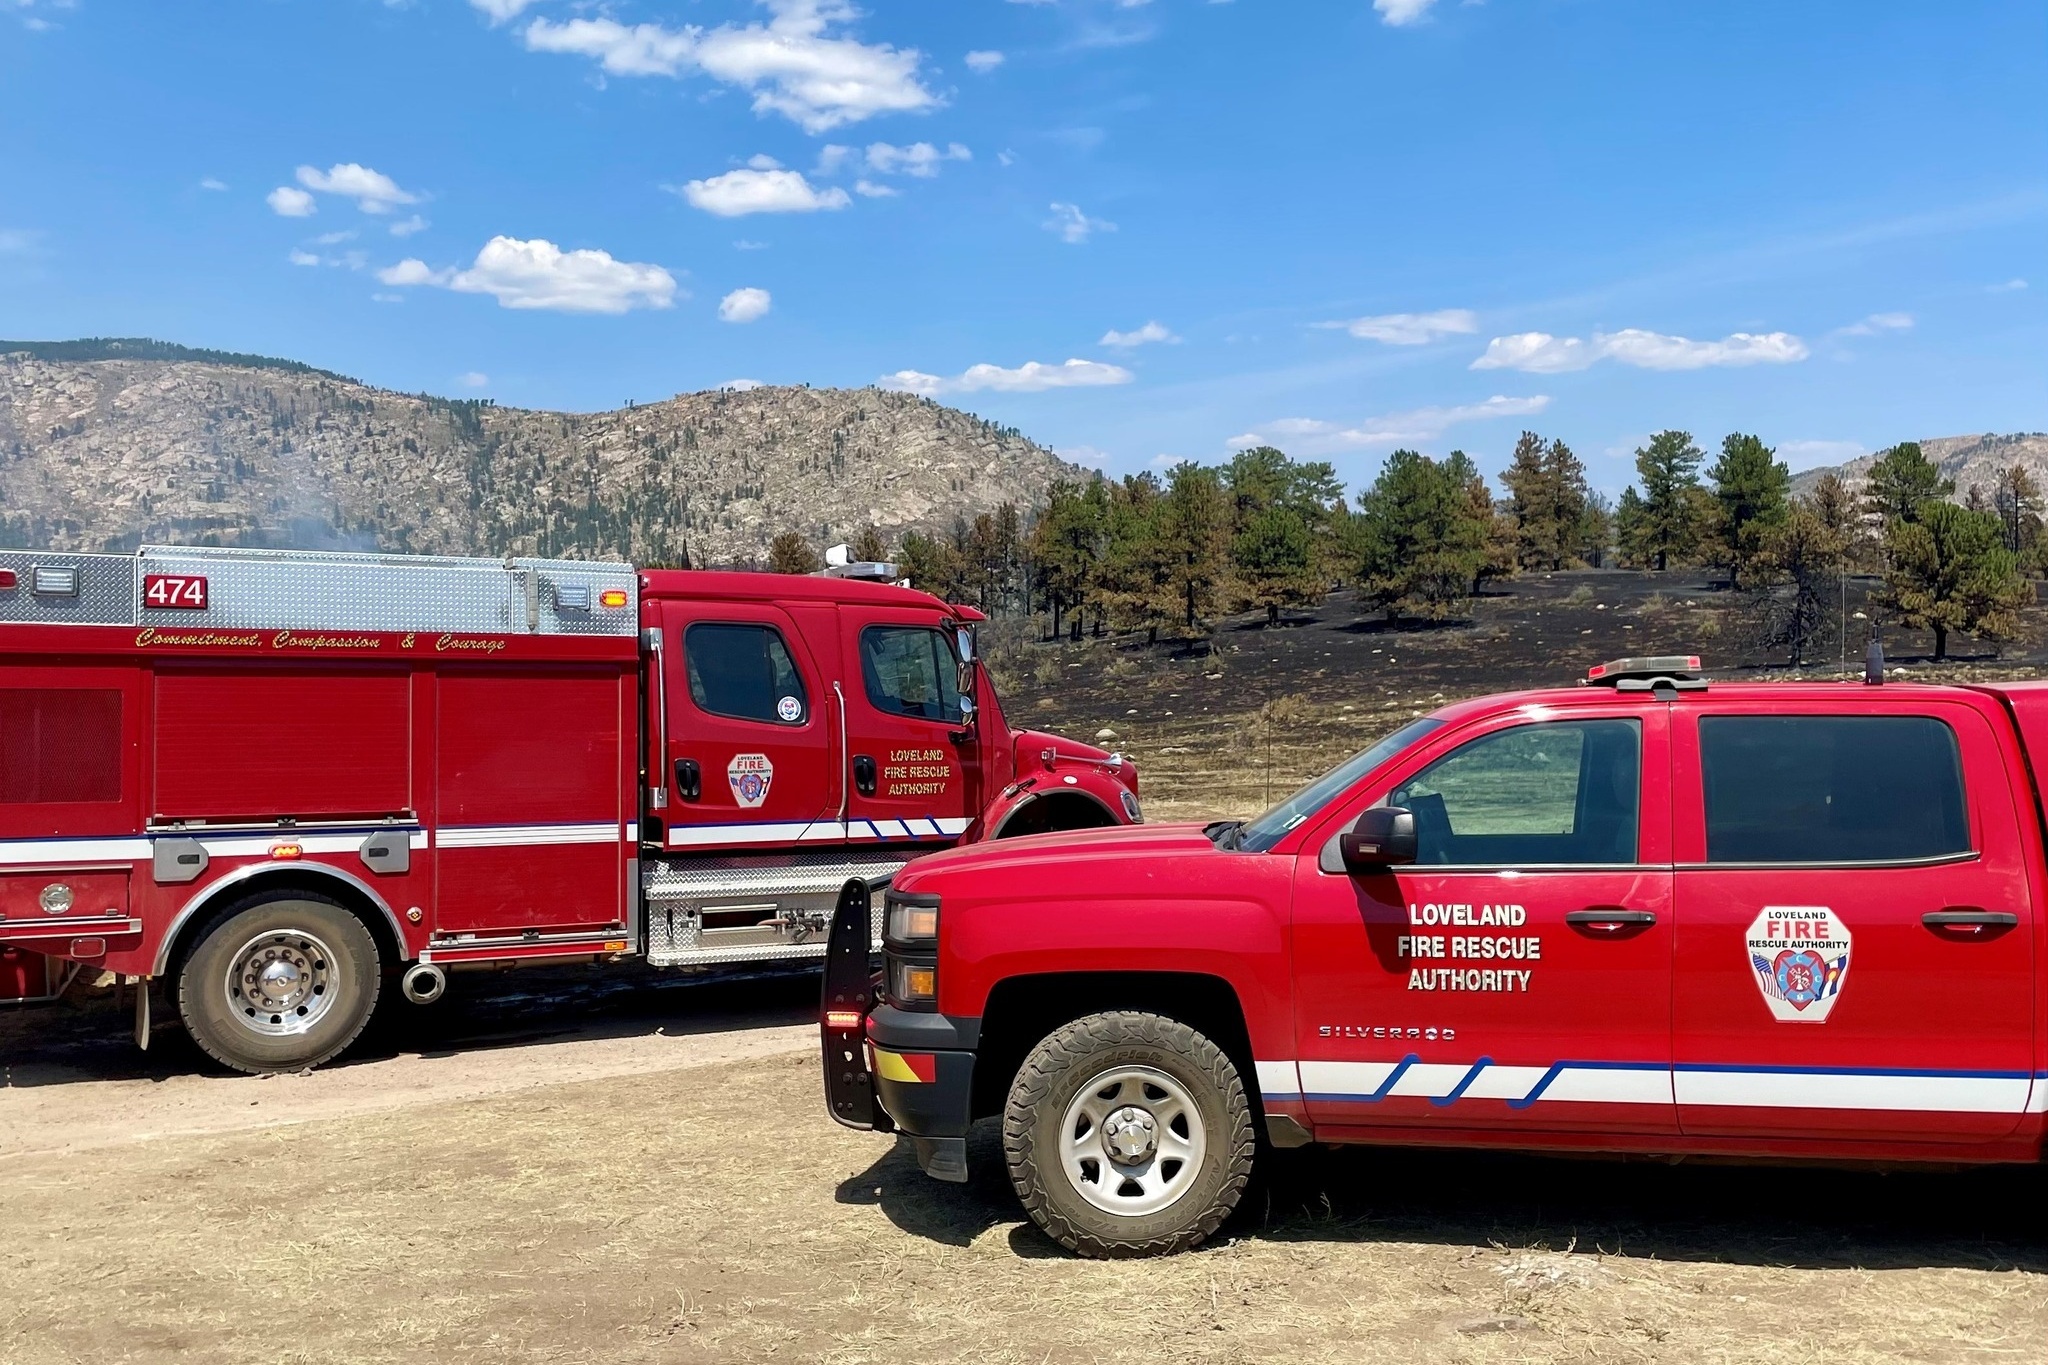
[
  {"x": 1106, "y": 733},
  {"x": 1505, "y": 1322}
]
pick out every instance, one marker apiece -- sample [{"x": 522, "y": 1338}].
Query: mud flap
[{"x": 843, "y": 1012}]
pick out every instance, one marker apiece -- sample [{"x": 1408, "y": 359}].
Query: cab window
[
  {"x": 1832, "y": 789},
  {"x": 1557, "y": 792},
  {"x": 910, "y": 671},
  {"x": 745, "y": 672}
]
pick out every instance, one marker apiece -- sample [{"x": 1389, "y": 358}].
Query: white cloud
[
  {"x": 1073, "y": 226},
  {"x": 1089, "y": 456},
  {"x": 1542, "y": 353},
  {"x": 2011, "y": 286},
  {"x": 406, "y": 227},
  {"x": 539, "y": 274},
  {"x": 501, "y": 11},
  {"x": 744, "y": 305},
  {"x": 1409, "y": 329},
  {"x": 213, "y": 183},
  {"x": 298, "y": 257},
  {"x": 747, "y": 244},
  {"x": 1876, "y": 325},
  {"x": 373, "y": 191},
  {"x": 984, "y": 62},
  {"x": 18, "y": 241},
  {"x": 288, "y": 202},
  {"x": 742, "y": 385},
  {"x": 919, "y": 158},
  {"x": 1397, "y": 13},
  {"x": 1310, "y": 436},
  {"x": 1150, "y": 332},
  {"x": 474, "y": 379},
  {"x": 738, "y": 193},
  {"x": 335, "y": 238},
  {"x": 1030, "y": 377},
  {"x": 795, "y": 64},
  {"x": 869, "y": 189},
  {"x": 387, "y": 298}
]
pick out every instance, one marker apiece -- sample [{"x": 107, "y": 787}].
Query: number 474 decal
[
  {"x": 174, "y": 591},
  {"x": 1800, "y": 955}
]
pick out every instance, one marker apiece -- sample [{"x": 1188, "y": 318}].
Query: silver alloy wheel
[
  {"x": 280, "y": 982},
  {"x": 1133, "y": 1141}
]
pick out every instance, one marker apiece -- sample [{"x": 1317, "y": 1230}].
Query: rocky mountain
[
  {"x": 108, "y": 444},
  {"x": 1972, "y": 461}
]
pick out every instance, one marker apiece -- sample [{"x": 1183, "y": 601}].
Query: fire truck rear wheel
[
  {"x": 280, "y": 982},
  {"x": 1128, "y": 1134}
]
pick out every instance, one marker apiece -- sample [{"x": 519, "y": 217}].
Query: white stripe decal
[
  {"x": 952, "y": 824},
  {"x": 680, "y": 836},
  {"x": 520, "y": 836},
  {"x": 1278, "y": 1080},
  {"x": 1837, "y": 1090},
  {"x": 1447, "y": 1084},
  {"x": 34, "y": 851},
  {"x": 782, "y": 832}
]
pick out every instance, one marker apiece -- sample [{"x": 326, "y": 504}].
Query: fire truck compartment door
[{"x": 536, "y": 773}]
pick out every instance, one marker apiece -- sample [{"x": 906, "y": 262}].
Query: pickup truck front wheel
[{"x": 1128, "y": 1134}]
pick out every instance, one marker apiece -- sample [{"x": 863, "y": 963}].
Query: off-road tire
[
  {"x": 1061, "y": 1068},
  {"x": 349, "y": 970}
]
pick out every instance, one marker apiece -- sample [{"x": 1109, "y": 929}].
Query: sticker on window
[
  {"x": 1800, "y": 954},
  {"x": 750, "y": 775},
  {"x": 790, "y": 709}
]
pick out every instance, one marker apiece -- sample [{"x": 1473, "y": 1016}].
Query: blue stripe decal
[{"x": 1459, "y": 1089}]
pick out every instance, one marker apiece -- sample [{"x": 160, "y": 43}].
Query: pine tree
[
  {"x": 869, "y": 547},
  {"x": 1805, "y": 548},
  {"x": 1282, "y": 516},
  {"x": 1548, "y": 499},
  {"x": 1193, "y": 529},
  {"x": 1416, "y": 541},
  {"x": 1664, "y": 523},
  {"x": 1949, "y": 571},
  {"x": 1066, "y": 544},
  {"x": 791, "y": 553},
  {"x": 1901, "y": 480},
  {"x": 1750, "y": 488}
]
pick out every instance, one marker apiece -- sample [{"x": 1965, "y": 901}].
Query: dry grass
[{"x": 723, "y": 1218}]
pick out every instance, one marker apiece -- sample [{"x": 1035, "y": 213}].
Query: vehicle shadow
[
  {"x": 88, "y": 1036},
  {"x": 1803, "y": 1217}
]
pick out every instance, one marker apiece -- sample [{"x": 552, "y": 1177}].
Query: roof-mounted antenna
[{"x": 1873, "y": 663}]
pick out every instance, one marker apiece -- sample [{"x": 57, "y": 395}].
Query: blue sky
[{"x": 1139, "y": 230}]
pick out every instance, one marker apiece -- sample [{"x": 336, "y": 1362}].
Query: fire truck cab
[{"x": 272, "y": 783}]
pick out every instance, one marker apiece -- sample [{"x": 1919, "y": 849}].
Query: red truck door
[
  {"x": 1518, "y": 975},
  {"x": 1855, "y": 930},
  {"x": 909, "y": 745},
  {"x": 752, "y": 734}
]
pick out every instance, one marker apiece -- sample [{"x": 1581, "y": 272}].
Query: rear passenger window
[
  {"x": 744, "y": 672},
  {"x": 1562, "y": 792},
  {"x": 1832, "y": 789},
  {"x": 59, "y": 745}
]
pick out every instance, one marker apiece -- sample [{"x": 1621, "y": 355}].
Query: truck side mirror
[{"x": 1384, "y": 837}]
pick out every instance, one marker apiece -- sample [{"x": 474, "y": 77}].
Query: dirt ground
[{"x": 555, "y": 1165}]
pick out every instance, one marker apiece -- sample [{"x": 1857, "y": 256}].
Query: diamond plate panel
[
  {"x": 268, "y": 589},
  {"x": 800, "y": 892},
  {"x": 106, "y": 590}
]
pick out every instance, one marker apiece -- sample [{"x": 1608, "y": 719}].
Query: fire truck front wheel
[
  {"x": 1128, "y": 1134},
  {"x": 280, "y": 982}
]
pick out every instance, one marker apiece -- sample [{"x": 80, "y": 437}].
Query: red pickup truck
[{"x": 1781, "y": 921}]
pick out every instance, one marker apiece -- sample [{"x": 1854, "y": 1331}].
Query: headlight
[
  {"x": 913, "y": 984},
  {"x": 911, "y": 921}
]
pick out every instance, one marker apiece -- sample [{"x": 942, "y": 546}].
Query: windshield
[{"x": 1266, "y": 831}]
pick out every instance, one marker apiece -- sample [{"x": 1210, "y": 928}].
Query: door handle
[
  {"x": 689, "y": 779},
  {"x": 1610, "y": 919},
  {"x": 1969, "y": 917},
  {"x": 864, "y": 774}
]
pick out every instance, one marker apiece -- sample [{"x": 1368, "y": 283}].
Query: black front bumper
[{"x": 887, "y": 1069}]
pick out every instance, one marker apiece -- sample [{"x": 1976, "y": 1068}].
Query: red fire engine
[
  {"x": 269, "y": 780},
  {"x": 1797, "y": 920}
]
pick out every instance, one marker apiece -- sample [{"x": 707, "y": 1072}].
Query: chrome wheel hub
[
  {"x": 1133, "y": 1141},
  {"x": 280, "y": 983}
]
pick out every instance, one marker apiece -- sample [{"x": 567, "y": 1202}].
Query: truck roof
[
  {"x": 1836, "y": 695},
  {"x": 774, "y": 587}
]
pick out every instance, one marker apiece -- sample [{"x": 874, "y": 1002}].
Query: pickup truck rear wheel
[
  {"x": 281, "y": 982},
  {"x": 1128, "y": 1134}
]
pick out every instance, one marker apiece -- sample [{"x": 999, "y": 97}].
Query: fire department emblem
[
  {"x": 790, "y": 709},
  {"x": 1800, "y": 956},
  {"x": 750, "y": 775}
]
